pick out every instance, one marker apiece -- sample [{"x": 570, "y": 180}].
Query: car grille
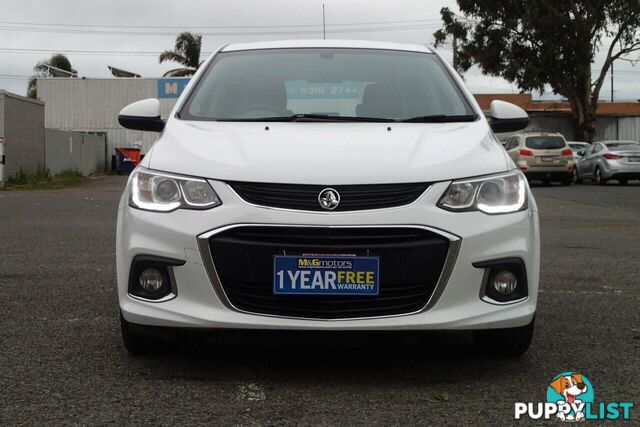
[
  {"x": 352, "y": 197},
  {"x": 411, "y": 262}
]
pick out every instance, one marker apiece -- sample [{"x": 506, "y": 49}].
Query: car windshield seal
[
  {"x": 441, "y": 118},
  {"x": 437, "y": 118},
  {"x": 307, "y": 118}
]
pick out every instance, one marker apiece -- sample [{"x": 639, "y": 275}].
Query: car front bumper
[{"x": 198, "y": 303}]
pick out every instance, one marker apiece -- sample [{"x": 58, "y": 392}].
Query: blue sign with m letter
[{"x": 171, "y": 88}]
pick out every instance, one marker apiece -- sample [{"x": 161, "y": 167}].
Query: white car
[{"x": 327, "y": 185}]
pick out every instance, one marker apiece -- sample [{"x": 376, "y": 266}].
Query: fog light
[
  {"x": 505, "y": 282},
  {"x": 151, "y": 280}
]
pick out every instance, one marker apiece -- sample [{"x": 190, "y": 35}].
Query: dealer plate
[{"x": 326, "y": 275}]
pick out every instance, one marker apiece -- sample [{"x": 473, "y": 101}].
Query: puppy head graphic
[{"x": 569, "y": 386}]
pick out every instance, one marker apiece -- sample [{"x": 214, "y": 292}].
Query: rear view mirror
[
  {"x": 507, "y": 117},
  {"x": 142, "y": 115}
]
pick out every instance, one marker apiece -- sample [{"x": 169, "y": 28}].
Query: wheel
[
  {"x": 137, "y": 343},
  {"x": 508, "y": 342},
  {"x": 623, "y": 181},
  {"x": 566, "y": 180},
  {"x": 598, "y": 177},
  {"x": 575, "y": 178}
]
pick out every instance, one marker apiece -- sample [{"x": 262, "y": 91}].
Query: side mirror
[
  {"x": 581, "y": 153},
  {"x": 507, "y": 117},
  {"x": 142, "y": 115}
]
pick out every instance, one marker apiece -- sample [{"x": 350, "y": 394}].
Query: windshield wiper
[
  {"x": 309, "y": 118},
  {"x": 441, "y": 118}
]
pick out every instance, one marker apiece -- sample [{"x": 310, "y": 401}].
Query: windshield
[
  {"x": 316, "y": 83},
  {"x": 545, "y": 142}
]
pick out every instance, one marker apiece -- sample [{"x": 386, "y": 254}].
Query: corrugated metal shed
[
  {"x": 607, "y": 128},
  {"x": 629, "y": 128},
  {"x": 92, "y": 105},
  {"x": 552, "y": 123}
]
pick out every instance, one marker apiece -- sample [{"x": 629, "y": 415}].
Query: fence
[{"x": 74, "y": 150}]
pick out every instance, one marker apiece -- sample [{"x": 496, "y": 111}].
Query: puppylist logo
[{"x": 570, "y": 398}]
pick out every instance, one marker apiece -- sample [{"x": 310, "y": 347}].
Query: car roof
[
  {"x": 338, "y": 44},
  {"x": 541, "y": 133}
]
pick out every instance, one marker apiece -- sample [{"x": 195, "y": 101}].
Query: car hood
[{"x": 327, "y": 152}]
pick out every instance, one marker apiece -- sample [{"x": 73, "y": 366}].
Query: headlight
[
  {"x": 494, "y": 194},
  {"x": 161, "y": 192}
]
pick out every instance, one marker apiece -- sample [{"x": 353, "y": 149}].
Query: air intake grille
[
  {"x": 411, "y": 261},
  {"x": 352, "y": 197}
]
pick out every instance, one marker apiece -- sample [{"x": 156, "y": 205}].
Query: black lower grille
[
  {"x": 352, "y": 197},
  {"x": 411, "y": 261}
]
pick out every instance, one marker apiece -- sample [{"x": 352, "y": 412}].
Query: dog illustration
[{"x": 570, "y": 387}]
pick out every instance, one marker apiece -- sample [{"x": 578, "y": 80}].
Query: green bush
[
  {"x": 42, "y": 175},
  {"x": 69, "y": 176}
]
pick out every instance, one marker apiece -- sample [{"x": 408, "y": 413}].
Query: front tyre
[
  {"x": 598, "y": 177},
  {"x": 575, "y": 177},
  {"x": 507, "y": 342}
]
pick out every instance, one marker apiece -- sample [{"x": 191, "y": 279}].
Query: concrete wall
[
  {"x": 92, "y": 105},
  {"x": 22, "y": 125},
  {"x": 73, "y": 150}
]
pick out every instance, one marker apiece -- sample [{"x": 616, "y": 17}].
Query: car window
[
  {"x": 545, "y": 142},
  {"x": 337, "y": 82},
  {"x": 623, "y": 146},
  {"x": 597, "y": 148},
  {"x": 577, "y": 147}
]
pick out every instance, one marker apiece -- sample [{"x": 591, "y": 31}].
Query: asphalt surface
[{"x": 62, "y": 360}]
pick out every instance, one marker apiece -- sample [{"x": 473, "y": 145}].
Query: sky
[{"x": 130, "y": 34}]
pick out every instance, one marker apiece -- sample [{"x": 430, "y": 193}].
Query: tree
[
  {"x": 48, "y": 67},
  {"x": 187, "y": 53},
  {"x": 546, "y": 43}
]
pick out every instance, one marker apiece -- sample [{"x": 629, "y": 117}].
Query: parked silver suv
[
  {"x": 605, "y": 160},
  {"x": 542, "y": 156}
]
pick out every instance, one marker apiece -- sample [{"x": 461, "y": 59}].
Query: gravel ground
[{"x": 62, "y": 360}]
